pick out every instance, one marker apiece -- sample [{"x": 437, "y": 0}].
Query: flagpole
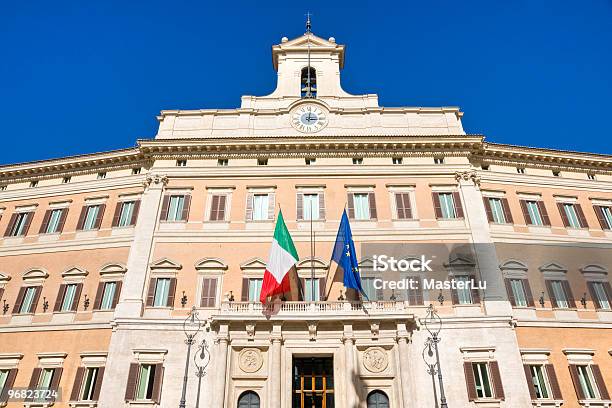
[{"x": 312, "y": 273}]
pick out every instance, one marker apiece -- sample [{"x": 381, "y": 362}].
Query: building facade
[{"x": 104, "y": 255}]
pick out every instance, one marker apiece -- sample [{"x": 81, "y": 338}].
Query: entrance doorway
[{"x": 313, "y": 382}]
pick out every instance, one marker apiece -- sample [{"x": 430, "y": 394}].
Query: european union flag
[{"x": 346, "y": 258}]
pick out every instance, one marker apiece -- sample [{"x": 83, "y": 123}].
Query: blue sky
[{"x": 79, "y": 77}]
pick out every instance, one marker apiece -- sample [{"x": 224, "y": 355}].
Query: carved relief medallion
[
  {"x": 375, "y": 359},
  {"x": 250, "y": 360}
]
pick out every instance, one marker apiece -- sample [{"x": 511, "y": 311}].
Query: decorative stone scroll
[
  {"x": 375, "y": 359},
  {"x": 250, "y": 360},
  {"x": 155, "y": 179},
  {"x": 468, "y": 176}
]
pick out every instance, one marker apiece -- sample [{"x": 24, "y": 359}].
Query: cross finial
[{"x": 308, "y": 24}]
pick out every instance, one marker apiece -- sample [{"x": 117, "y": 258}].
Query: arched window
[
  {"x": 249, "y": 399},
  {"x": 378, "y": 399},
  {"x": 309, "y": 83}
]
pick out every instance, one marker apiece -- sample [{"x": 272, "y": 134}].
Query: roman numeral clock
[{"x": 308, "y": 118}]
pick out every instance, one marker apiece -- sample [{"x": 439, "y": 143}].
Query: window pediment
[
  {"x": 75, "y": 272},
  {"x": 594, "y": 269},
  {"x": 552, "y": 267},
  {"x": 312, "y": 263},
  {"x": 460, "y": 262},
  {"x": 113, "y": 269},
  {"x": 166, "y": 264},
  {"x": 35, "y": 275},
  {"x": 207, "y": 264},
  {"x": 253, "y": 264},
  {"x": 513, "y": 265},
  {"x": 4, "y": 278}
]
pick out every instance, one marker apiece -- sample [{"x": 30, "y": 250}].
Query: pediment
[
  {"x": 513, "y": 265},
  {"x": 305, "y": 39},
  {"x": 113, "y": 268},
  {"x": 166, "y": 263},
  {"x": 210, "y": 263},
  {"x": 73, "y": 272},
  {"x": 253, "y": 263},
  {"x": 300, "y": 44},
  {"x": 35, "y": 274},
  {"x": 460, "y": 261},
  {"x": 316, "y": 263},
  {"x": 4, "y": 278},
  {"x": 595, "y": 269},
  {"x": 553, "y": 267}
]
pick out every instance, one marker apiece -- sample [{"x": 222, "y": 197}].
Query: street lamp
[
  {"x": 433, "y": 324},
  {"x": 201, "y": 360},
  {"x": 191, "y": 327}
]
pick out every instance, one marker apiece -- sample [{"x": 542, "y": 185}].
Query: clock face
[{"x": 308, "y": 118}]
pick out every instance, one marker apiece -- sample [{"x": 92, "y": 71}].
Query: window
[
  {"x": 262, "y": 162},
  {"x": 254, "y": 289},
  {"x": 217, "y": 207},
  {"x": 101, "y": 175},
  {"x": 311, "y": 288},
  {"x": 357, "y": 160},
  {"x": 520, "y": 170},
  {"x": 310, "y": 161},
  {"x": 68, "y": 298},
  {"x": 586, "y": 382},
  {"x": 176, "y": 205},
  {"x": 109, "y": 291},
  {"x": 89, "y": 384},
  {"x": 54, "y": 221},
  {"x": 482, "y": 381},
  {"x": 535, "y": 213},
  {"x": 538, "y": 381},
  {"x": 34, "y": 183},
  {"x": 438, "y": 160},
  {"x": 402, "y": 206},
  {"x": 144, "y": 382},
  {"x": 3, "y": 187},
  {"x": 19, "y": 224},
  {"x": 248, "y": 399},
  {"x": 91, "y": 216},
  {"x": 311, "y": 206},
  {"x": 601, "y": 294},
  {"x": 4, "y": 374},
  {"x": 222, "y": 162},
  {"x": 604, "y": 216},
  {"x": 66, "y": 180},
  {"x": 497, "y": 210},
  {"x": 572, "y": 215},
  {"x": 484, "y": 167},
  {"x": 591, "y": 176},
  {"x": 126, "y": 213},
  {"x": 377, "y": 399},
  {"x": 371, "y": 292},
  {"x": 46, "y": 376},
  {"x": 464, "y": 293},
  {"x": 181, "y": 163},
  {"x": 260, "y": 207},
  {"x": 397, "y": 160},
  {"x": 560, "y": 294},
  {"x": 26, "y": 300},
  {"x": 209, "y": 292},
  {"x": 136, "y": 170},
  {"x": 162, "y": 289},
  {"x": 519, "y": 292},
  {"x": 447, "y": 205},
  {"x": 146, "y": 376},
  {"x": 556, "y": 173},
  {"x": 361, "y": 206}
]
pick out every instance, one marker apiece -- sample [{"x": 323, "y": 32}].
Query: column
[
  {"x": 131, "y": 298},
  {"x": 494, "y": 297},
  {"x": 221, "y": 373},
  {"x": 276, "y": 338},
  {"x": 350, "y": 375},
  {"x": 405, "y": 366}
]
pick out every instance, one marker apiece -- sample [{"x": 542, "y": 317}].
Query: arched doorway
[
  {"x": 378, "y": 399},
  {"x": 248, "y": 399}
]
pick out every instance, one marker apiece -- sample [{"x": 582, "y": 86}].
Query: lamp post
[
  {"x": 433, "y": 324},
  {"x": 191, "y": 327},
  {"x": 201, "y": 360}
]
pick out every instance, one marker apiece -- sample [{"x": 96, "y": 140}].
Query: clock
[{"x": 309, "y": 118}]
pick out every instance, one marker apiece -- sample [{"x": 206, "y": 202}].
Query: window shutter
[
  {"x": 45, "y": 222},
  {"x": 245, "y": 290},
  {"x": 454, "y": 296},
  {"x": 599, "y": 380},
  {"x": 322, "y": 283},
  {"x": 214, "y": 207},
  {"x": 608, "y": 290},
  {"x": 530, "y": 385},
  {"x": 563, "y": 214},
  {"x": 528, "y": 293},
  {"x": 543, "y": 213},
  {"x": 525, "y": 212},
  {"x": 34, "y": 381},
  {"x": 551, "y": 294},
  {"x": 10, "y": 225},
  {"x": 62, "y": 220},
  {"x": 415, "y": 296},
  {"x": 271, "y": 205},
  {"x": 574, "y": 374},
  {"x": 497, "y": 382},
  {"x": 299, "y": 201},
  {"x": 60, "y": 298},
  {"x": 475, "y": 292},
  {"x": 351, "y": 206},
  {"x": 372, "y": 201},
  {"x": 568, "y": 292},
  {"x": 82, "y": 216},
  {"x": 35, "y": 300},
  {"x": 77, "y": 297},
  {"x": 457, "y": 203},
  {"x": 171, "y": 292},
  {"x": 488, "y": 210},
  {"x": 55, "y": 380},
  {"x": 302, "y": 288},
  {"x": 75, "y": 395},
  {"x": 581, "y": 218},
  {"x": 19, "y": 299},
  {"x": 594, "y": 298},
  {"x": 8, "y": 384},
  {"x": 209, "y": 292},
  {"x": 163, "y": 215},
  {"x": 117, "y": 214},
  {"x": 507, "y": 212},
  {"x": 1, "y": 292},
  {"x": 135, "y": 212},
  {"x": 151, "y": 292},
  {"x": 379, "y": 294},
  {"x": 221, "y": 208},
  {"x": 321, "y": 205},
  {"x": 118, "y": 285},
  {"x": 157, "y": 383},
  {"x": 98, "y": 384},
  {"x": 600, "y": 217},
  {"x": 99, "y": 294},
  {"x": 437, "y": 206},
  {"x": 510, "y": 293},
  {"x": 28, "y": 221},
  {"x": 470, "y": 382},
  {"x": 99, "y": 216},
  {"x": 402, "y": 204},
  {"x": 186, "y": 207},
  {"x": 130, "y": 390},
  {"x": 249, "y": 207},
  {"x": 554, "y": 383}
]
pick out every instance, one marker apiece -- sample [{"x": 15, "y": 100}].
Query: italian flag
[{"x": 283, "y": 257}]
